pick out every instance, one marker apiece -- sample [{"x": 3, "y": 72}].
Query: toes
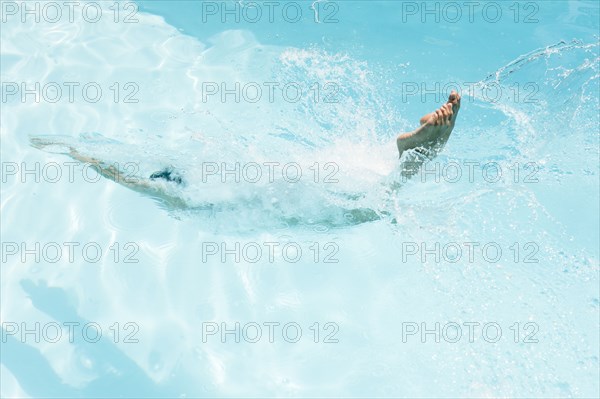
[
  {"x": 447, "y": 112},
  {"x": 449, "y": 107},
  {"x": 454, "y": 97},
  {"x": 438, "y": 117},
  {"x": 456, "y": 105},
  {"x": 444, "y": 111}
]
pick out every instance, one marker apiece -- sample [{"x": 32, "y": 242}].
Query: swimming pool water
[{"x": 348, "y": 260}]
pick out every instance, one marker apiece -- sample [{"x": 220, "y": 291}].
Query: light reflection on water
[{"x": 174, "y": 287}]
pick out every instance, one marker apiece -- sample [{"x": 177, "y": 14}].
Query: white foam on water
[{"x": 171, "y": 291}]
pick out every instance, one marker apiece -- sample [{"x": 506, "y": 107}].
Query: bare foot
[{"x": 435, "y": 128}]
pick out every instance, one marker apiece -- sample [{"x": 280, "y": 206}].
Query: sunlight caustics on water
[{"x": 530, "y": 111}]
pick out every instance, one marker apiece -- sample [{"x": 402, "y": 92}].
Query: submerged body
[{"x": 428, "y": 140}]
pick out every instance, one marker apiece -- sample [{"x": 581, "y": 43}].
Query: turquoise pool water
[{"x": 315, "y": 269}]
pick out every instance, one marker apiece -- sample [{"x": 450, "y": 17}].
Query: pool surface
[{"x": 204, "y": 199}]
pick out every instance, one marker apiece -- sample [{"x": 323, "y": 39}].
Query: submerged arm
[{"x": 142, "y": 185}]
